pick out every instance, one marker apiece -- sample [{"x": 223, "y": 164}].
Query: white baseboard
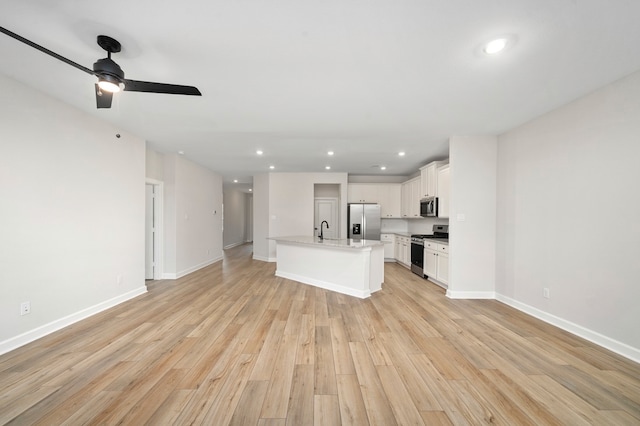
[
  {"x": 175, "y": 276},
  {"x": 233, "y": 245},
  {"x": 326, "y": 285},
  {"x": 264, "y": 259},
  {"x": 590, "y": 335},
  {"x": 37, "y": 333},
  {"x": 470, "y": 294}
]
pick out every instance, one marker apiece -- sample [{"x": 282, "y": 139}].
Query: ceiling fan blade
[
  {"x": 149, "y": 87},
  {"x": 103, "y": 98},
  {"x": 45, "y": 50}
]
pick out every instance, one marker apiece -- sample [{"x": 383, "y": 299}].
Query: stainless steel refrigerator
[{"x": 364, "y": 221}]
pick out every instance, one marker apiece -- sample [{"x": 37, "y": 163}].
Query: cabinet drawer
[
  {"x": 429, "y": 245},
  {"x": 443, "y": 248}
]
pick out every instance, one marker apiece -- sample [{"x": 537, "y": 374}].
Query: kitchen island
[{"x": 352, "y": 267}]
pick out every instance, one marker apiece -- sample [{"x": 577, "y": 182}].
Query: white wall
[
  {"x": 154, "y": 165},
  {"x": 569, "y": 216},
  {"x": 289, "y": 208},
  {"x": 473, "y": 161},
  {"x": 71, "y": 217},
  {"x": 423, "y": 225},
  {"x": 261, "y": 216},
  {"x": 322, "y": 190},
  {"x": 192, "y": 216},
  {"x": 235, "y": 213}
]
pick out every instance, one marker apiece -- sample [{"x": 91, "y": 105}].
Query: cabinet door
[
  {"x": 390, "y": 200},
  {"x": 353, "y": 193},
  {"x": 415, "y": 198},
  {"x": 432, "y": 180},
  {"x": 406, "y": 199},
  {"x": 362, "y": 193},
  {"x": 411, "y": 198},
  {"x": 443, "y": 191},
  {"x": 442, "y": 268},
  {"x": 430, "y": 263},
  {"x": 428, "y": 180},
  {"x": 389, "y": 245},
  {"x": 406, "y": 248}
]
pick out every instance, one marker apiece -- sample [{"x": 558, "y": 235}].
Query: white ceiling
[{"x": 297, "y": 78}]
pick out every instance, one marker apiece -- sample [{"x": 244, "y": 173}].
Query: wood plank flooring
[{"x": 233, "y": 344}]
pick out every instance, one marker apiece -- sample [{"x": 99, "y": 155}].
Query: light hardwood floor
[{"x": 233, "y": 344}]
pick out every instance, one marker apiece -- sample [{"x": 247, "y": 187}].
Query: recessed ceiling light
[
  {"x": 330, "y": 153},
  {"x": 250, "y": 189},
  {"x": 496, "y": 46},
  {"x": 259, "y": 152},
  {"x": 401, "y": 153},
  {"x": 272, "y": 167},
  {"x": 327, "y": 167},
  {"x": 181, "y": 152},
  {"x": 235, "y": 181},
  {"x": 383, "y": 167}
]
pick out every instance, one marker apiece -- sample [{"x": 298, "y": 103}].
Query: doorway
[
  {"x": 327, "y": 209},
  {"x": 326, "y": 199},
  {"x": 153, "y": 230}
]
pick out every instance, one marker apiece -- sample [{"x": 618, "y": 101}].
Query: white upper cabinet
[
  {"x": 411, "y": 198},
  {"x": 443, "y": 191},
  {"x": 362, "y": 193},
  {"x": 390, "y": 200},
  {"x": 429, "y": 179},
  {"x": 385, "y": 194}
]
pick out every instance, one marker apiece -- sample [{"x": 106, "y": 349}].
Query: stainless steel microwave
[{"x": 429, "y": 207}]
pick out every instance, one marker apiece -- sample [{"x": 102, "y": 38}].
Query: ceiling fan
[{"x": 110, "y": 76}]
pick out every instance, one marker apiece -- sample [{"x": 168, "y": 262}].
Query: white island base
[{"x": 352, "y": 267}]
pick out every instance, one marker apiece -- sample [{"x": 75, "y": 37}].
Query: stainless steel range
[{"x": 440, "y": 232}]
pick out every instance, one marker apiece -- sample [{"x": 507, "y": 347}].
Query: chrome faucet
[{"x": 321, "y": 225}]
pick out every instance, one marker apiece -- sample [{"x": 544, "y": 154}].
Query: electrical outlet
[
  {"x": 25, "y": 308},
  {"x": 545, "y": 293}
]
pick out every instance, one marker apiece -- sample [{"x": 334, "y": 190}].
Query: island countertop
[
  {"x": 346, "y": 243},
  {"x": 353, "y": 267}
]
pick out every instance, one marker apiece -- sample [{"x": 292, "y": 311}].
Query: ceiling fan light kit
[
  {"x": 110, "y": 84},
  {"x": 110, "y": 75}
]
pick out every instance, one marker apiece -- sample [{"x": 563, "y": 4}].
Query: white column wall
[{"x": 472, "y": 223}]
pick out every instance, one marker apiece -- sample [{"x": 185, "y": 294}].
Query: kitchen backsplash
[{"x": 411, "y": 226}]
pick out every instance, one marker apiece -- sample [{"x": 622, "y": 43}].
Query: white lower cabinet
[
  {"x": 406, "y": 246},
  {"x": 389, "y": 241},
  {"x": 436, "y": 262},
  {"x": 403, "y": 250}
]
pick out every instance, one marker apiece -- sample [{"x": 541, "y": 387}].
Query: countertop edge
[{"x": 343, "y": 243}]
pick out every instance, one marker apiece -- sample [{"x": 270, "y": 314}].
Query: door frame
[
  {"x": 158, "y": 216},
  {"x": 248, "y": 228}
]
